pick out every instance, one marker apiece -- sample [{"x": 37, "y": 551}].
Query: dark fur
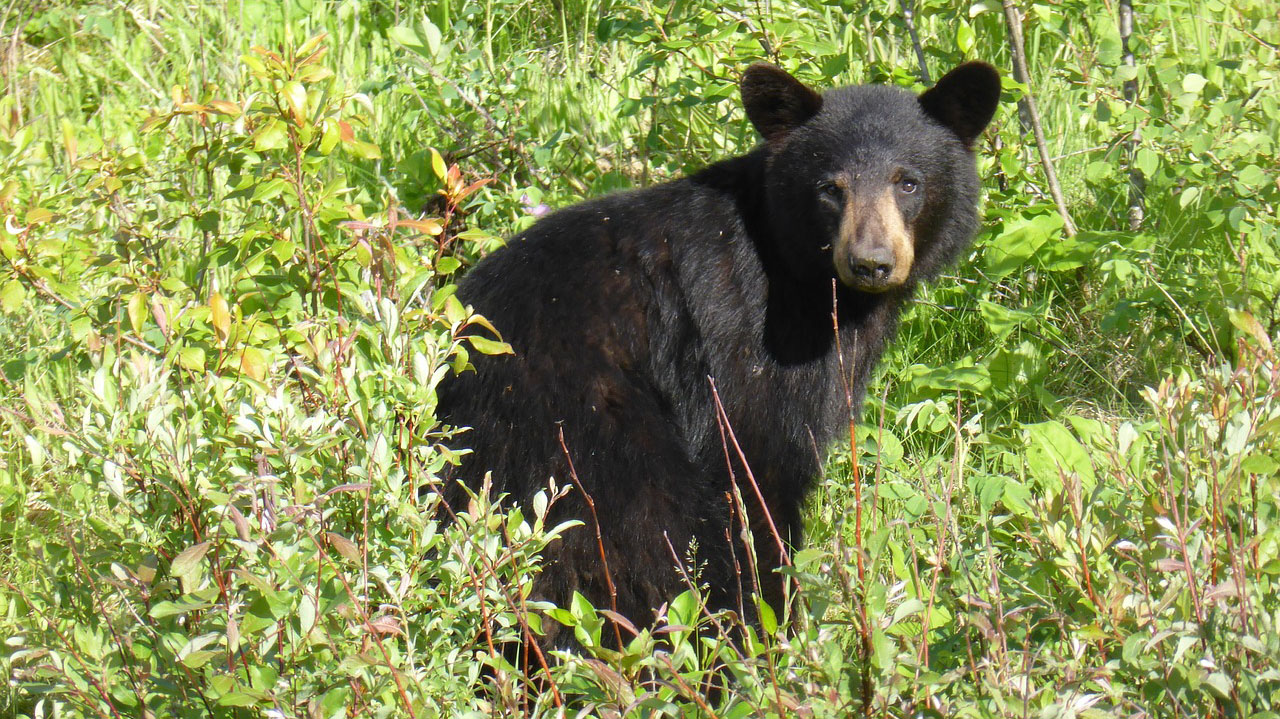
[{"x": 621, "y": 309}]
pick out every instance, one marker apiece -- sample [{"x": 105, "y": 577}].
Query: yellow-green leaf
[
  {"x": 220, "y": 316},
  {"x": 254, "y": 363},
  {"x": 437, "y": 164},
  {"x": 225, "y": 107},
  {"x": 12, "y": 295},
  {"x": 310, "y": 45},
  {"x": 295, "y": 97},
  {"x": 1248, "y": 324},
  {"x": 188, "y": 559},
  {"x": 271, "y": 136},
  {"x": 37, "y": 215},
  {"x": 488, "y": 346},
  {"x": 364, "y": 150},
  {"x": 69, "y": 140},
  {"x": 137, "y": 308},
  {"x": 191, "y": 358}
]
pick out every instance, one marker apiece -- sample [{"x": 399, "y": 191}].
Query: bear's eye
[
  {"x": 907, "y": 186},
  {"x": 829, "y": 190}
]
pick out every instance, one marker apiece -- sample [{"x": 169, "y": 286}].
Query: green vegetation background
[{"x": 230, "y": 236}]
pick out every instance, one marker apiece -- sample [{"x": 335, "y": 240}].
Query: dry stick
[
  {"x": 908, "y": 18},
  {"x": 595, "y": 520},
  {"x": 1137, "y": 183},
  {"x": 723, "y": 418},
  {"x": 739, "y": 505},
  {"x": 726, "y": 437},
  {"x": 9, "y": 64},
  {"x": 1013, "y": 19},
  {"x": 944, "y": 532},
  {"x": 864, "y": 630},
  {"x": 1075, "y": 501}
]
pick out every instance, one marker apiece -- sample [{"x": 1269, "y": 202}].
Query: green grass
[{"x": 230, "y": 240}]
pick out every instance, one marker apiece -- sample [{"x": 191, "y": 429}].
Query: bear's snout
[
  {"x": 875, "y": 249},
  {"x": 872, "y": 267}
]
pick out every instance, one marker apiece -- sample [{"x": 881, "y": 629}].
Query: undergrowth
[{"x": 231, "y": 236}]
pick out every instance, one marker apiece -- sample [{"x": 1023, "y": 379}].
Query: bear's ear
[
  {"x": 964, "y": 99},
  {"x": 776, "y": 103}
]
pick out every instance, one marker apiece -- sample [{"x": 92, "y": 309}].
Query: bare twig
[
  {"x": 722, "y": 417},
  {"x": 1013, "y": 19},
  {"x": 595, "y": 521},
  {"x": 864, "y": 628}
]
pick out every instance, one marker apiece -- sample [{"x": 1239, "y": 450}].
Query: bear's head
[{"x": 874, "y": 184}]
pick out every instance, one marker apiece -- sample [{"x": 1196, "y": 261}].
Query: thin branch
[
  {"x": 722, "y": 418},
  {"x": 595, "y": 521},
  {"x": 908, "y": 17},
  {"x": 1013, "y": 19},
  {"x": 43, "y": 288}
]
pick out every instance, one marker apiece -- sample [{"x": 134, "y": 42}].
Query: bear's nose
[{"x": 873, "y": 266}]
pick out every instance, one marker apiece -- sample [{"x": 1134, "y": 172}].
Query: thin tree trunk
[
  {"x": 908, "y": 17},
  {"x": 1027, "y": 107},
  {"x": 1137, "y": 183}
]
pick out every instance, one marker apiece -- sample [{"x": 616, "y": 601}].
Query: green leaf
[
  {"x": 1220, "y": 685},
  {"x": 295, "y": 97},
  {"x": 961, "y": 375},
  {"x": 768, "y": 620},
  {"x": 1193, "y": 83},
  {"x": 1188, "y": 196},
  {"x": 189, "y": 559},
  {"x": 489, "y": 347},
  {"x": 138, "y": 311},
  {"x": 1252, "y": 176},
  {"x": 1021, "y": 238},
  {"x": 12, "y": 295},
  {"x": 424, "y": 39},
  {"x": 1260, "y": 464},
  {"x": 363, "y": 150},
  {"x": 683, "y": 610},
  {"x": 909, "y": 607},
  {"x": 184, "y": 605},
  {"x": 242, "y": 698},
  {"x": 965, "y": 38},
  {"x": 191, "y": 358},
  {"x": 1000, "y": 320},
  {"x": 1147, "y": 161},
  {"x": 329, "y": 137},
  {"x": 269, "y": 190},
  {"x": 271, "y": 136},
  {"x": 1052, "y": 451}
]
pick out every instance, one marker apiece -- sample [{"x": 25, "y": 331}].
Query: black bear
[{"x": 634, "y": 317}]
